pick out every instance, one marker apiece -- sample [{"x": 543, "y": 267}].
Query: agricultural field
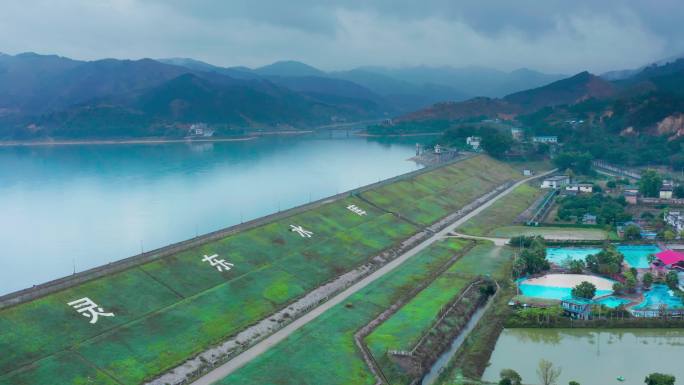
[
  {"x": 565, "y": 233},
  {"x": 503, "y": 212},
  {"x": 156, "y": 315},
  {"x": 427, "y": 197}
]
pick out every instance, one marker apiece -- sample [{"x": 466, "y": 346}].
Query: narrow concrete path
[
  {"x": 270, "y": 341},
  {"x": 497, "y": 241}
]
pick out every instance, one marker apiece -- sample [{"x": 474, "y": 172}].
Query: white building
[
  {"x": 557, "y": 181},
  {"x": 438, "y": 149},
  {"x": 666, "y": 190},
  {"x": 580, "y": 187},
  {"x": 474, "y": 142},
  {"x": 517, "y": 134},
  {"x": 545, "y": 139},
  {"x": 675, "y": 219},
  {"x": 200, "y": 129}
]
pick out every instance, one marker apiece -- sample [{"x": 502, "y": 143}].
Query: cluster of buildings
[
  {"x": 675, "y": 219},
  {"x": 565, "y": 182},
  {"x": 631, "y": 193},
  {"x": 200, "y": 130},
  {"x": 517, "y": 134}
]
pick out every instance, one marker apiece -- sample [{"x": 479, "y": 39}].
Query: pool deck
[{"x": 570, "y": 280}]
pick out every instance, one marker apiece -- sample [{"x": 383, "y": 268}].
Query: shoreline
[
  {"x": 397, "y": 135},
  {"x": 80, "y": 142},
  {"x": 118, "y": 141}
]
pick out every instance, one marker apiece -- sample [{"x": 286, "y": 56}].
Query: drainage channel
[{"x": 444, "y": 359}]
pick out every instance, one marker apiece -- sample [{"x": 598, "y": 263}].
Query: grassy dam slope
[{"x": 172, "y": 308}]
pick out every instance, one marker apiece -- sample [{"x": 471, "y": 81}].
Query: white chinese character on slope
[
  {"x": 220, "y": 264},
  {"x": 300, "y": 230},
  {"x": 87, "y": 308},
  {"x": 356, "y": 210}
]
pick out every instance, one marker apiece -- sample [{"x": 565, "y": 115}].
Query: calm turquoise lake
[{"x": 82, "y": 206}]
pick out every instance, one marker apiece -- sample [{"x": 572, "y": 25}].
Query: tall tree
[
  {"x": 650, "y": 183},
  {"x": 547, "y": 373},
  {"x": 586, "y": 290}
]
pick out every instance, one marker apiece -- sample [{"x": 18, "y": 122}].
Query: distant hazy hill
[
  {"x": 470, "y": 81},
  {"x": 31, "y": 84},
  {"x": 574, "y": 89},
  {"x": 566, "y": 91},
  {"x": 47, "y": 95},
  {"x": 289, "y": 68}
]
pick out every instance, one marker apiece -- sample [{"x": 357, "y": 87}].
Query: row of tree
[{"x": 548, "y": 374}]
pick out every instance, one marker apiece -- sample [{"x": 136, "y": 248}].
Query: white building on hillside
[
  {"x": 551, "y": 139},
  {"x": 474, "y": 142},
  {"x": 675, "y": 219},
  {"x": 557, "y": 181}
]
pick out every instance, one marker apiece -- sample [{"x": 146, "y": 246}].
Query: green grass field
[
  {"x": 168, "y": 310},
  {"x": 566, "y": 233},
  {"x": 503, "y": 212},
  {"x": 425, "y": 198},
  {"x": 323, "y": 351}
]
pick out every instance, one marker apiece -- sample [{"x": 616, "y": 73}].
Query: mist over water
[{"x": 84, "y": 206}]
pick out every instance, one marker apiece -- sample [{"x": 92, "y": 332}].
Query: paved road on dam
[{"x": 265, "y": 344}]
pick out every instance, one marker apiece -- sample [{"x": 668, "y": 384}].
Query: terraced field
[
  {"x": 503, "y": 212},
  {"x": 426, "y": 198},
  {"x": 170, "y": 309},
  {"x": 323, "y": 351}
]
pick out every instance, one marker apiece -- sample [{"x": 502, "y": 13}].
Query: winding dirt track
[{"x": 265, "y": 344}]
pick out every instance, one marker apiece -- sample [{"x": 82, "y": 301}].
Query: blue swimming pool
[
  {"x": 637, "y": 256},
  {"x": 561, "y": 255},
  {"x": 660, "y": 295},
  {"x": 552, "y": 292},
  {"x": 612, "y": 302}
]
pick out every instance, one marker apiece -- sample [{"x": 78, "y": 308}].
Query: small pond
[{"x": 590, "y": 356}]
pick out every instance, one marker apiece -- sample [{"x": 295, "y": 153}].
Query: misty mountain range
[
  {"x": 49, "y": 95},
  {"x": 53, "y": 96}
]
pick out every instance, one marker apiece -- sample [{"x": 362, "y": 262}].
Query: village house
[
  {"x": 675, "y": 219},
  {"x": 666, "y": 190},
  {"x": 557, "y": 181},
  {"x": 550, "y": 139},
  {"x": 668, "y": 259},
  {"x": 580, "y": 187},
  {"x": 517, "y": 134},
  {"x": 474, "y": 142},
  {"x": 589, "y": 219},
  {"x": 578, "y": 308},
  {"x": 631, "y": 197}
]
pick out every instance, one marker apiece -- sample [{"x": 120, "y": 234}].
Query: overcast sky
[{"x": 554, "y": 36}]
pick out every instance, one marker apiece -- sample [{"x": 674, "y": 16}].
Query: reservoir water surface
[{"x": 66, "y": 208}]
